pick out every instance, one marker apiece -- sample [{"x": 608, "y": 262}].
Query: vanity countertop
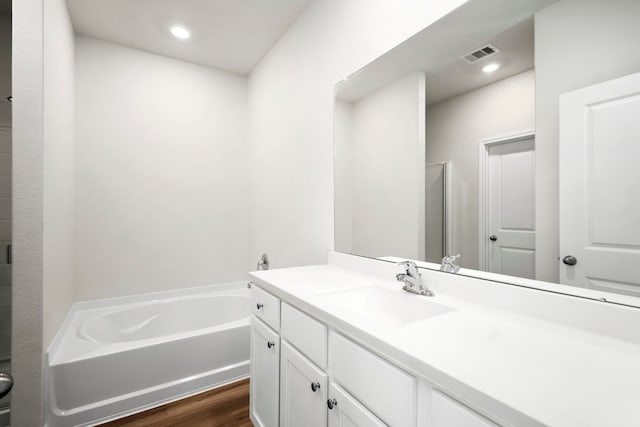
[{"x": 520, "y": 368}]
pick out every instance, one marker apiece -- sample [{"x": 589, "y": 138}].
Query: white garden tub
[{"x": 116, "y": 357}]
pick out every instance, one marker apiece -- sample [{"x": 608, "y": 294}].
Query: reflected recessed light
[
  {"x": 180, "y": 32},
  {"x": 490, "y": 68}
]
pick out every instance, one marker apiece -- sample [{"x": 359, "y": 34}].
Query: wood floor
[{"x": 226, "y": 406}]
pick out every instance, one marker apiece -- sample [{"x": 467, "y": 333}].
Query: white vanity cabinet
[
  {"x": 265, "y": 378},
  {"x": 306, "y": 374},
  {"x": 303, "y": 392}
]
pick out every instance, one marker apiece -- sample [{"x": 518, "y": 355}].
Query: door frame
[{"x": 483, "y": 187}]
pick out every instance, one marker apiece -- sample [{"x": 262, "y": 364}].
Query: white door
[
  {"x": 265, "y": 378},
  {"x": 303, "y": 391},
  {"x": 599, "y": 193},
  {"x": 509, "y": 235},
  {"x": 346, "y": 411}
]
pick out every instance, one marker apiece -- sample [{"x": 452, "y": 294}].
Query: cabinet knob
[
  {"x": 332, "y": 403},
  {"x": 315, "y": 387},
  {"x": 259, "y": 306},
  {"x": 270, "y": 344},
  {"x": 493, "y": 237},
  {"x": 570, "y": 260}
]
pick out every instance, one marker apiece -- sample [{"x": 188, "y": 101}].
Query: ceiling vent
[{"x": 478, "y": 54}]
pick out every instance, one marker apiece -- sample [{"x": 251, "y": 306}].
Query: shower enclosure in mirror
[
  {"x": 437, "y": 192},
  {"x": 496, "y": 134}
]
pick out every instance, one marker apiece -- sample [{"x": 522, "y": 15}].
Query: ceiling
[
  {"x": 230, "y": 35},
  {"x": 516, "y": 55},
  {"x": 437, "y": 50}
]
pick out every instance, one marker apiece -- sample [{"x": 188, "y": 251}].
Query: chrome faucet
[
  {"x": 449, "y": 264},
  {"x": 412, "y": 279}
]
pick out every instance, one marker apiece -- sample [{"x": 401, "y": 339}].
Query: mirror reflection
[{"x": 510, "y": 138}]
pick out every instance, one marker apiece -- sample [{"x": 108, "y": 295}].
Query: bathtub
[{"x": 117, "y": 357}]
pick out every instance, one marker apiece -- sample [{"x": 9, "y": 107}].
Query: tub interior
[{"x": 162, "y": 318}]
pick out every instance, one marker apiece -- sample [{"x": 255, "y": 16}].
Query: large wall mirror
[{"x": 507, "y": 132}]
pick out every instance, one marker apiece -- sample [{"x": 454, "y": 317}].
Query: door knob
[
  {"x": 332, "y": 403},
  {"x": 493, "y": 237},
  {"x": 570, "y": 260},
  {"x": 6, "y": 383}
]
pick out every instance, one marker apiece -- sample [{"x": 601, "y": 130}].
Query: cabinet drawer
[
  {"x": 387, "y": 391},
  {"x": 448, "y": 412},
  {"x": 306, "y": 334},
  {"x": 266, "y": 307}
]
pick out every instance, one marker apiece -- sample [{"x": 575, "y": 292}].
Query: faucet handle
[
  {"x": 450, "y": 259},
  {"x": 410, "y": 267},
  {"x": 449, "y": 264}
]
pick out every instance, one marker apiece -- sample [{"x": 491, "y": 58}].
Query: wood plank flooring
[{"x": 226, "y": 406}]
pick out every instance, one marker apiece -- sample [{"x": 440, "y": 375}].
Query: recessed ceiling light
[
  {"x": 180, "y": 32},
  {"x": 490, "y": 68}
]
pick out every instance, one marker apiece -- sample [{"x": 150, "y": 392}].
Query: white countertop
[{"x": 521, "y": 369}]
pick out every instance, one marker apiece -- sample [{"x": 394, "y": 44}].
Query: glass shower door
[{"x": 436, "y": 212}]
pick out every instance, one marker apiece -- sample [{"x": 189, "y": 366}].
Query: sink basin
[{"x": 383, "y": 306}]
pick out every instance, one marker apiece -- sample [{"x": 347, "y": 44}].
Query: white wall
[
  {"x": 388, "y": 156},
  {"x": 28, "y": 172},
  {"x": 59, "y": 165},
  {"x": 291, "y": 117},
  {"x": 455, "y": 127},
  {"x": 161, "y": 173},
  {"x": 578, "y": 43}
]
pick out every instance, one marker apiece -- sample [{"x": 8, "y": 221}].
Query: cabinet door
[
  {"x": 346, "y": 411},
  {"x": 303, "y": 392},
  {"x": 265, "y": 377}
]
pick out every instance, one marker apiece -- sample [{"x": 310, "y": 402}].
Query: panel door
[
  {"x": 265, "y": 378},
  {"x": 303, "y": 392},
  {"x": 599, "y": 195},
  {"x": 346, "y": 411},
  {"x": 511, "y": 213}
]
